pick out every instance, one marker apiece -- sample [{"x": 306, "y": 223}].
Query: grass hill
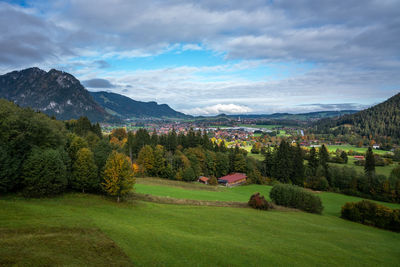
[
  {"x": 153, "y": 234},
  {"x": 380, "y": 120}
]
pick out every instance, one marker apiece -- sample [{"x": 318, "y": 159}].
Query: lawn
[
  {"x": 153, "y": 234},
  {"x": 331, "y": 201},
  {"x": 385, "y": 170},
  {"x": 361, "y": 150},
  {"x": 270, "y": 127}
]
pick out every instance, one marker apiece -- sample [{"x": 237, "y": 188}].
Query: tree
[
  {"x": 84, "y": 172},
  {"x": 298, "y": 166},
  {"x": 283, "y": 167},
  {"x": 118, "y": 175},
  {"x": 369, "y": 166},
  {"x": 221, "y": 164},
  {"x": 313, "y": 162},
  {"x": 44, "y": 173},
  {"x": 344, "y": 157},
  {"x": 146, "y": 160},
  {"x": 159, "y": 160},
  {"x": 268, "y": 163},
  {"x": 240, "y": 163},
  {"x": 75, "y": 144},
  {"x": 101, "y": 152}
]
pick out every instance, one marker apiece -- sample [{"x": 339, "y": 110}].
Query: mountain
[
  {"x": 125, "y": 107},
  {"x": 55, "y": 93},
  {"x": 380, "y": 120}
]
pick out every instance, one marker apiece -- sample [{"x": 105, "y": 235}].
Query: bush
[
  {"x": 296, "y": 197},
  {"x": 258, "y": 202},
  {"x": 370, "y": 213},
  {"x": 44, "y": 173},
  {"x": 213, "y": 181}
]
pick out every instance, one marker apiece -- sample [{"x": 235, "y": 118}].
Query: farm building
[
  {"x": 203, "y": 179},
  {"x": 232, "y": 179}
]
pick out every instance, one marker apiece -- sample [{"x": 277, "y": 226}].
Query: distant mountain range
[
  {"x": 60, "y": 94},
  {"x": 300, "y": 117},
  {"x": 125, "y": 107}
]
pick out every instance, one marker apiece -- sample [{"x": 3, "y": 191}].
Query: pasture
[{"x": 45, "y": 231}]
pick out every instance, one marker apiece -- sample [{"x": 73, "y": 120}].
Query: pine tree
[
  {"x": 239, "y": 163},
  {"x": 369, "y": 166},
  {"x": 118, "y": 175},
  {"x": 313, "y": 161},
  {"x": 298, "y": 166},
  {"x": 323, "y": 160},
  {"x": 268, "y": 163}
]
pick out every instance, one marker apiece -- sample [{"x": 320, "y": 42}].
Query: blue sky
[{"x": 209, "y": 57}]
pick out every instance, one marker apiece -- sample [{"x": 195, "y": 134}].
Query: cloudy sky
[{"x": 213, "y": 56}]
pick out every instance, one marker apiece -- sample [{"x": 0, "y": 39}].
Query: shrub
[
  {"x": 258, "y": 202},
  {"x": 370, "y": 213},
  {"x": 296, "y": 197},
  {"x": 213, "y": 181}
]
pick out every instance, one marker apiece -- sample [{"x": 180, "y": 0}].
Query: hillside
[
  {"x": 380, "y": 120},
  {"x": 125, "y": 107},
  {"x": 300, "y": 117},
  {"x": 34, "y": 230}
]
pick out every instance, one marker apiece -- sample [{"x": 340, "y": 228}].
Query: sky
[{"x": 210, "y": 57}]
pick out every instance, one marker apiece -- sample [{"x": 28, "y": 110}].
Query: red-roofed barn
[{"x": 232, "y": 179}]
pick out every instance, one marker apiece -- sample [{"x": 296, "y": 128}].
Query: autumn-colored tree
[
  {"x": 75, "y": 144},
  {"x": 146, "y": 160},
  {"x": 119, "y": 133},
  {"x": 118, "y": 175},
  {"x": 84, "y": 172}
]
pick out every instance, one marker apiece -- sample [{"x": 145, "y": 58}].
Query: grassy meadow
[{"x": 83, "y": 229}]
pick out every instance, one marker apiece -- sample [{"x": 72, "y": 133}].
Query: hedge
[
  {"x": 370, "y": 213},
  {"x": 296, "y": 197}
]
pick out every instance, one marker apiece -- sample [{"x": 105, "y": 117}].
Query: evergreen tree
[
  {"x": 313, "y": 161},
  {"x": 283, "y": 166},
  {"x": 240, "y": 163},
  {"x": 298, "y": 166},
  {"x": 369, "y": 166},
  {"x": 323, "y": 160},
  {"x": 221, "y": 164},
  {"x": 172, "y": 141},
  {"x": 268, "y": 163},
  {"x": 344, "y": 157},
  {"x": 44, "y": 173},
  {"x": 101, "y": 152}
]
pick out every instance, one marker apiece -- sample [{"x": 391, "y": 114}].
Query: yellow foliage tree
[{"x": 118, "y": 175}]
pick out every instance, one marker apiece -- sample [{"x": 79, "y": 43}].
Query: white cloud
[{"x": 219, "y": 109}]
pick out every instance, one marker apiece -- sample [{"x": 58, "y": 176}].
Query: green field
[
  {"x": 385, "y": 170},
  {"x": 270, "y": 127},
  {"x": 76, "y": 229},
  {"x": 361, "y": 150}
]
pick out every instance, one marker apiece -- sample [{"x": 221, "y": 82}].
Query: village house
[
  {"x": 203, "y": 179},
  {"x": 232, "y": 179}
]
